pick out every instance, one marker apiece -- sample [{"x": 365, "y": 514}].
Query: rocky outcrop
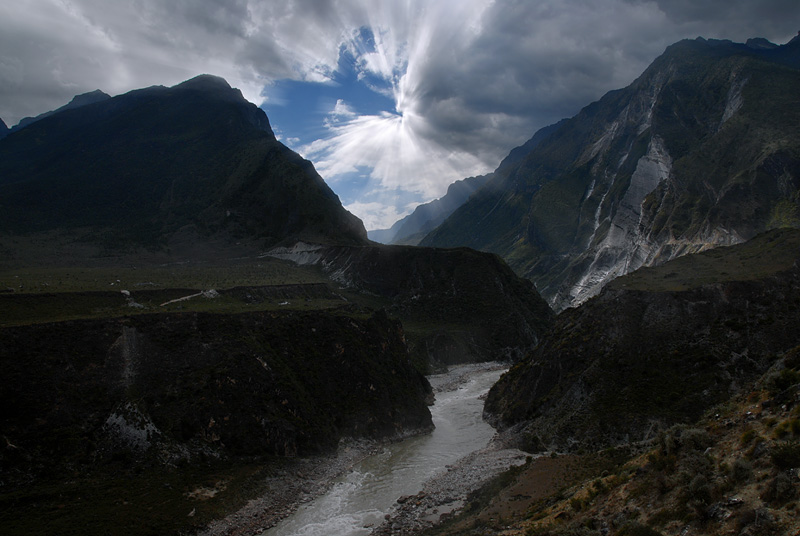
[
  {"x": 700, "y": 151},
  {"x": 632, "y": 361},
  {"x": 174, "y": 388},
  {"x": 457, "y": 305}
]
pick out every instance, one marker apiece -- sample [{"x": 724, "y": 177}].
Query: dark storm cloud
[
  {"x": 736, "y": 19},
  {"x": 533, "y": 64}
]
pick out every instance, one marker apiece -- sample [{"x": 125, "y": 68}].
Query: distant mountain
[
  {"x": 76, "y": 102},
  {"x": 164, "y": 168},
  {"x": 3, "y": 129},
  {"x": 701, "y": 150},
  {"x": 413, "y": 228},
  {"x": 425, "y": 218}
]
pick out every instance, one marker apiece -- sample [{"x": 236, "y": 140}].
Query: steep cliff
[
  {"x": 702, "y": 150},
  {"x": 657, "y": 347}
]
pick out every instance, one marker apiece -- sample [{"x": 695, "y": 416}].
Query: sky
[{"x": 392, "y": 100}]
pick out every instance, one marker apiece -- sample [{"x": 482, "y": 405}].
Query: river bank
[
  {"x": 304, "y": 480},
  {"x": 445, "y": 494},
  {"x": 308, "y": 479}
]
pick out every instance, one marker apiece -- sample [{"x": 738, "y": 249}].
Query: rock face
[
  {"x": 458, "y": 305},
  {"x": 701, "y": 151},
  {"x": 632, "y": 361},
  {"x": 163, "y": 168},
  {"x": 174, "y": 388}
]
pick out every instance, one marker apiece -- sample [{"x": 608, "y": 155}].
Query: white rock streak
[{"x": 625, "y": 248}]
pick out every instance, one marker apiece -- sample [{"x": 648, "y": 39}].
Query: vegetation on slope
[
  {"x": 678, "y": 391},
  {"x": 457, "y": 305}
]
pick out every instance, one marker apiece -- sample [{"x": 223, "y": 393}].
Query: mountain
[
  {"x": 76, "y": 102},
  {"x": 413, "y": 228},
  {"x": 702, "y": 150},
  {"x": 3, "y": 129},
  {"x": 656, "y": 348},
  {"x": 163, "y": 169}
]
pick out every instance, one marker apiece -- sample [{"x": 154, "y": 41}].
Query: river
[{"x": 361, "y": 498}]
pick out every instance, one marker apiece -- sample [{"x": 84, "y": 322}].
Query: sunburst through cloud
[{"x": 395, "y": 148}]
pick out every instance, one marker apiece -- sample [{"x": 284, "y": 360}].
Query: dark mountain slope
[
  {"x": 3, "y": 129},
  {"x": 657, "y": 347},
  {"x": 702, "y": 150},
  {"x": 138, "y": 168}
]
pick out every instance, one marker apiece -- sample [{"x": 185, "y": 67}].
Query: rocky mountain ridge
[
  {"x": 426, "y": 217},
  {"x": 702, "y": 150},
  {"x": 77, "y": 101}
]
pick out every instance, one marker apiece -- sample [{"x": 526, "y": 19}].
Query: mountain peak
[
  {"x": 759, "y": 43},
  {"x": 85, "y": 98},
  {"x": 206, "y": 82}
]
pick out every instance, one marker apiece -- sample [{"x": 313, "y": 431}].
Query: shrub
[
  {"x": 636, "y": 529},
  {"x": 786, "y": 455},
  {"x": 782, "y": 430},
  {"x": 781, "y": 381},
  {"x": 700, "y": 489},
  {"x": 696, "y": 439},
  {"x": 742, "y": 470},
  {"x": 748, "y": 437},
  {"x": 779, "y": 490}
]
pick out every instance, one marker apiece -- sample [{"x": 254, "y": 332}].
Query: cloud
[{"x": 341, "y": 110}]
